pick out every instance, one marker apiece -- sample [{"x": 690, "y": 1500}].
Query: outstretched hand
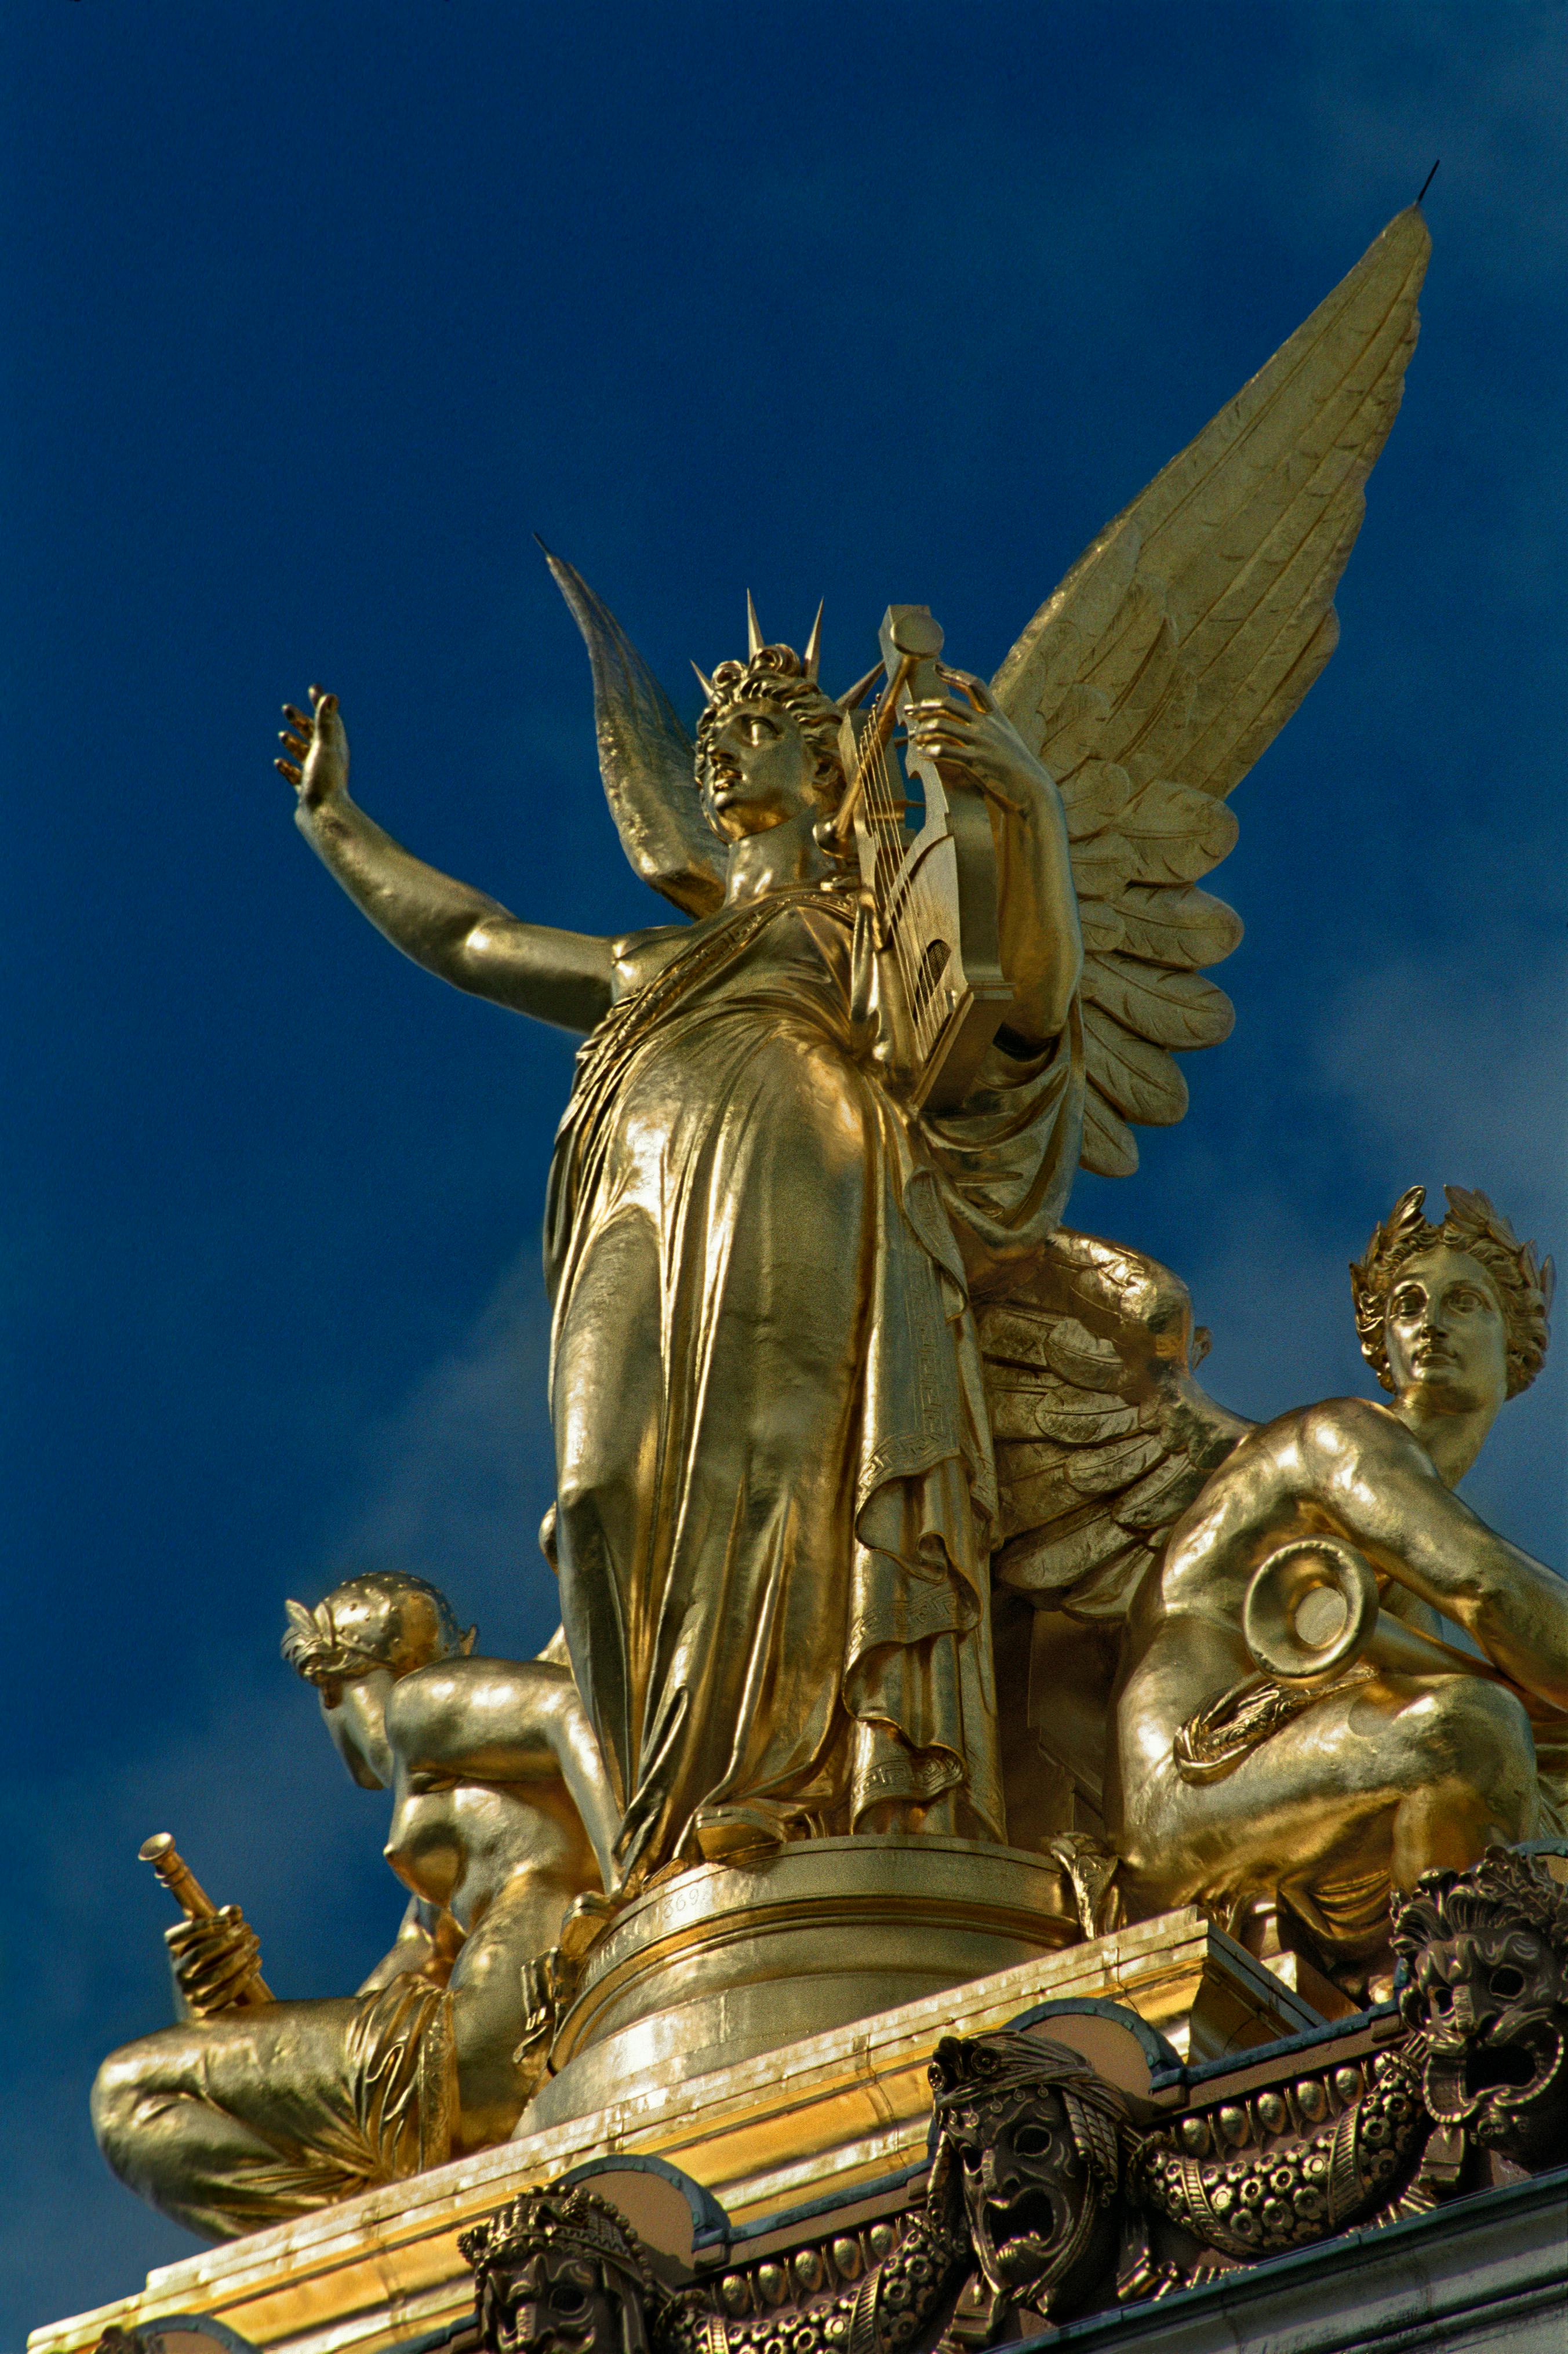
[
  {"x": 977, "y": 736},
  {"x": 214, "y": 1960},
  {"x": 317, "y": 746}
]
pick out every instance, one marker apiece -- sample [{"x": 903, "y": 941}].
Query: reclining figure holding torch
[{"x": 251, "y": 2111}]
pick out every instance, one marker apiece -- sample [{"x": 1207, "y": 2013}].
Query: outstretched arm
[
  {"x": 1042, "y": 944},
  {"x": 1382, "y": 1489},
  {"x": 455, "y": 931}
]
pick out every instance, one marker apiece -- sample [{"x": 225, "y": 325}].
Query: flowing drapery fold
[{"x": 776, "y": 1494}]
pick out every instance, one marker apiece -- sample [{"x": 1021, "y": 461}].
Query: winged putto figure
[{"x": 780, "y": 1258}]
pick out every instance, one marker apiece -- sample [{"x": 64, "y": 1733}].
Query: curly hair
[
  {"x": 777, "y": 674},
  {"x": 1523, "y": 1282}
]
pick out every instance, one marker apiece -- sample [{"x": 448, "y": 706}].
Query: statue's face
[
  {"x": 1446, "y": 1340},
  {"x": 551, "y": 2303},
  {"x": 1491, "y": 2002},
  {"x": 1023, "y": 2185},
  {"x": 354, "y": 1713},
  {"x": 758, "y": 771}
]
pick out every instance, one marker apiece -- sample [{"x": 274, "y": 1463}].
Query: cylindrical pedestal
[{"x": 730, "y": 1960}]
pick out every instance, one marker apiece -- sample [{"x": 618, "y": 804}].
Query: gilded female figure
[{"x": 776, "y": 1490}]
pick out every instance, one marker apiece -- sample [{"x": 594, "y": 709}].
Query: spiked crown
[{"x": 767, "y": 668}]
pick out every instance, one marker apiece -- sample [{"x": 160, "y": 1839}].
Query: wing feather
[
  {"x": 1094, "y": 796},
  {"x": 1141, "y": 1080},
  {"x": 1051, "y": 1555},
  {"x": 1177, "y": 646},
  {"x": 646, "y": 759},
  {"x": 1161, "y": 1003},
  {"x": 1102, "y": 927},
  {"x": 1059, "y": 1411},
  {"x": 1109, "y": 1148},
  {"x": 1180, "y": 830},
  {"x": 1186, "y": 927},
  {"x": 1095, "y": 1466}
]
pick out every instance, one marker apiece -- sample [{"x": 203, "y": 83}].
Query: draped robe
[{"x": 776, "y": 1495}]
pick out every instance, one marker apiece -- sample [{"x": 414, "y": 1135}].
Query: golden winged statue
[{"x": 785, "y": 1287}]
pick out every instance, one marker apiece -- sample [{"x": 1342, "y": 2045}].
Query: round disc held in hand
[{"x": 1310, "y": 1609}]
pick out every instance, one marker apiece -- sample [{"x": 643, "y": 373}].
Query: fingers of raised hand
[
  {"x": 943, "y": 730},
  {"x": 296, "y": 740},
  {"x": 980, "y": 695},
  {"x": 939, "y": 712},
  {"x": 329, "y": 728}
]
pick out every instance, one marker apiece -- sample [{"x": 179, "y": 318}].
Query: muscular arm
[
  {"x": 1381, "y": 1490},
  {"x": 455, "y": 931},
  {"x": 509, "y": 1721}
]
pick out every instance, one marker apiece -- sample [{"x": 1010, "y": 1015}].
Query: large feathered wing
[
  {"x": 1103, "y": 1437},
  {"x": 1174, "y": 652},
  {"x": 646, "y": 759}
]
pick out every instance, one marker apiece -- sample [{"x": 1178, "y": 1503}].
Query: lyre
[{"x": 933, "y": 890}]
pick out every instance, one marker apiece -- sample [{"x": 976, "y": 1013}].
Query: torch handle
[
  {"x": 192, "y": 1898},
  {"x": 177, "y": 1877}
]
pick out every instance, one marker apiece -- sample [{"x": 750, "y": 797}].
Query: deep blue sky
[{"x": 313, "y": 314}]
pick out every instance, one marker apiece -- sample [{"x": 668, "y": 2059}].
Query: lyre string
[{"x": 912, "y": 922}]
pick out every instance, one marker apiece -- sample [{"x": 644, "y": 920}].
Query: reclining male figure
[
  {"x": 242, "y": 2116},
  {"x": 1225, "y": 1787}
]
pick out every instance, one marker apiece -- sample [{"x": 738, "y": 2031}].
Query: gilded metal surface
[
  {"x": 777, "y": 1493},
  {"x": 253, "y": 2110},
  {"x": 728, "y": 1961},
  {"x": 835, "y": 2114},
  {"x": 891, "y": 1521},
  {"x": 1049, "y": 2195},
  {"x": 1019, "y": 2222},
  {"x": 1404, "y": 1754},
  {"x": 237, "y": 1977},
  {"x": 774, "y": 1482}
]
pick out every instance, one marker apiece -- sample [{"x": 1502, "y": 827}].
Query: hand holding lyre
[
  {"x": 214, "y": 1960},
  {"x": 979, "y": 738},
  {"x": 317, "y": 746},
  {"x": 1042, "y": 946}
]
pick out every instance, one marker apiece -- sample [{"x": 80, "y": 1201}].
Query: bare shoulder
[
  {"x": 1299, "y": 1444},
  {"x": 636, "y": 957},
  {"x": 474, "y": 1688},
  {"x": 651, "y": 940},
  {"x": 1343, "y": 1428}
]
